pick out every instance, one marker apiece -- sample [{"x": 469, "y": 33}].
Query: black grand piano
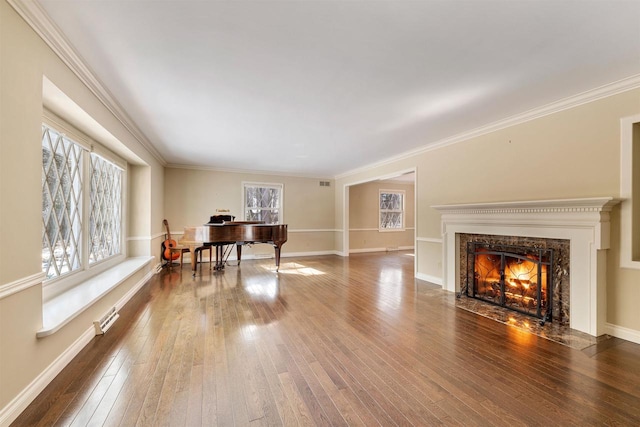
[{"x": 221, "y": 232}]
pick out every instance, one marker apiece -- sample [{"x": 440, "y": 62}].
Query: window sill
[{"x": 60, "y": 310}]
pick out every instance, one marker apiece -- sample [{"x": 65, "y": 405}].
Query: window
[
  {"x": 78, "y": 232},
  {"x": 263, "y": 202},
  {"x": 630, "y": 192},
  {"x": 391, "y": 210},
  {"x": 105, "y": 209}
]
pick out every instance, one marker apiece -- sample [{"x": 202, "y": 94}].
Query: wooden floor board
[{"x": 329, "y": 341}]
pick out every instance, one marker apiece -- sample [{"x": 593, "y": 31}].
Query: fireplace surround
[{"x": 584, "y": 223}]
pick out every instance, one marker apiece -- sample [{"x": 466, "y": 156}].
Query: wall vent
[
  {"x": 106, "y": 322},
  {"x": 325, "y": 183}
]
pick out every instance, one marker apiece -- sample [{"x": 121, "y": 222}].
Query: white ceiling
[{"x": 319, "y": 88}]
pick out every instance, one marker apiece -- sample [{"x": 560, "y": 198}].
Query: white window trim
[
  {"x": 58, "y": 285},
  {"x": 279, "y": 186},
  {"x": 626, "y": 192},
  {"x": 404, "y": 196}
]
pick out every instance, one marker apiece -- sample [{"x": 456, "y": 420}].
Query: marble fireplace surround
[{"x": 584, "y": 222}]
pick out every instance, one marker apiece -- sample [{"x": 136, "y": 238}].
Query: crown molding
[
  {"x": 620, "y": 86},
  {"x": 35, "y": 16},
  {"x": 246, "y": 171}
]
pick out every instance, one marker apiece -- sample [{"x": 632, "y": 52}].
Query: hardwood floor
[{"x": 329, "y": 341}]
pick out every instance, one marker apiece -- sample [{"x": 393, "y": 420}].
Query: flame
[{"x": 520, "y": 278}]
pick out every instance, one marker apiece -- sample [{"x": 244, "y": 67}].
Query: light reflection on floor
[
  {"x": 391, "y": 288},
  {"x": 296, "y": 268},
  {"x": 551, "y": 330},
  {"x": 264, "y": 287}
]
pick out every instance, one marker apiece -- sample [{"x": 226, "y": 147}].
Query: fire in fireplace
[{"x": 515, "y": 277}]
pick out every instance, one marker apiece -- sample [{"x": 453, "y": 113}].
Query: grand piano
[{"x": 220, "y": 234}]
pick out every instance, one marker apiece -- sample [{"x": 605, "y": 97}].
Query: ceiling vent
[{"x": 325, "y": 183}]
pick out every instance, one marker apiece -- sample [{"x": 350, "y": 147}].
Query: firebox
[{"x": 515, "y": 277}]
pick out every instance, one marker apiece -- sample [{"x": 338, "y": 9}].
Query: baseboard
[
  {"x": 628, "y": 334},
  {"x": 9, "y": 413},
  {"x": 428, "y": 278},
  {"x": 389, "y": 249},
  {"x": 303, "y": 254},
  {"x": 19, "y": 403},
  {"x": 134, "y": 290}
]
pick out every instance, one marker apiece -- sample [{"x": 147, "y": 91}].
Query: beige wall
[
  {"x": 25, "y": 60},
  {"x": 571, "y": 154},
  {"x": 364, "y": 202},
  {"x": 193, "y": 195}
]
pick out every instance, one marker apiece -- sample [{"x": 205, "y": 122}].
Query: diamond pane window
[
  {"x": 61, "y": 204},
  {"x": 105, "y": 209},
  {"x": 391, "y": 210},
  {"x": 263, "y": 202},
  {"x": 82, "y": 197}
]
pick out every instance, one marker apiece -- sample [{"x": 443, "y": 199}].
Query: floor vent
[{"x": 106, "y": 322}]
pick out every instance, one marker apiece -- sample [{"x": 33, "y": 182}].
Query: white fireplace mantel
[{"x": 584, "y": 222}]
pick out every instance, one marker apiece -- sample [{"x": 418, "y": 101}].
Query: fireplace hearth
[{"x": 518, "y": 278}]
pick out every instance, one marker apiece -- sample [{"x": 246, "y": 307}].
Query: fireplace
[
  {"x": 529, "y": 275},
  {"x": 583, "y": 224}
]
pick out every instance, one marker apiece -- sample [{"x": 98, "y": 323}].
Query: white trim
[
  {"x": 626, "y": 181},
  {"x": 39, "y": 21},
  {"x": 376, "y": 229},
  {"x": 21, "y": 284},
  {"x": 94, "y": 146},
  {"x": 63, "y": 308},
  {"x": 250, "y": 172},
  {"x": 146, "y": 238},
  {"x": 622, "y": 332},
  {"x": 584, "y": 222},
  {"x": 429, "y": 240},
  {"x": 312, "y": 230},
  {"x": 428, "y": 278},
  {"x": 19, "y": 403},
  {"x": 614, "y": 88},
  {"x": 383, "y": 177},
  {"x": 593, "y": 204},
  {"x": 305, "y": 254},
  {"x": 367, "y": 250}
]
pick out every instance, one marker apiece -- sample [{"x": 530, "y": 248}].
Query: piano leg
[
  {"x": 239, "y": 251},
  {"x": 277, "y": 248},
  {"x": 219, "y": 257},
  {"x": 194, "y": 259}
]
